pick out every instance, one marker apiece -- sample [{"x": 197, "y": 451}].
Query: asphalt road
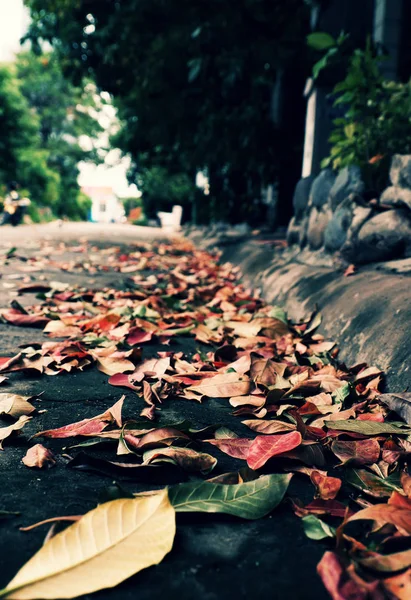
[{"x": 215, "y": 557}]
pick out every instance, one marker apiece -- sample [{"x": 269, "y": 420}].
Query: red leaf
[
  {"x": 138, "y": 336},
  {"x": 265, "y": 447},
  {"x": 17, "y": 318},
  {"x": 361, "y": 452},
  {"x": 235, "y": 447},
  {"x": 327, "y": 487},
  {"x": 336, "y": 580}
]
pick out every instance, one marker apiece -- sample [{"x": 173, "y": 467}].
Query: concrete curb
[{"x": 367, "y": 314}]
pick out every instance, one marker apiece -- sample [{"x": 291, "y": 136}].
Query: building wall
[{"x": 106, "y": 207}]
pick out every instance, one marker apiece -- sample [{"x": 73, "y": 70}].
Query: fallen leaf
[
  {"x": 250, "y": 500},
  {"x": 316, "y": 529},
  {"x": 399, "y": 585},
  {"x": 265, "y": 447},
  {"x": 15, "y": 317},
  {"x": 371, "y": 484},
  {"x": 224, "y": 385},
  {"x": 39, "y": 457},
  {"x": 6, "y": 432},
  {"x": 92, "y": 426},
  {"x": 266, "y": 371},
  {"x": 15, "y": 405},
  {"x": 386, "y": 513},
  {"x": 367, "y": 427},
  {"x": 399, "y": 403},
  {"x": 185, "y": 458},
  {"x": 389, "y": 562},
  {"x": 361, "y": 452},
  {"x": 235, "y": 447},
  {"x": 269, "y": 427},
  {"x": 106, "y": 546},
  {"x": 336, "y": 581},
  {"x": 327, "y": 487}
]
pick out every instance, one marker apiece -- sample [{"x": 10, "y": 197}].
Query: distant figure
[{"x": 14, "y": 207}]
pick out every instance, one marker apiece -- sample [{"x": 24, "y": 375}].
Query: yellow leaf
[{"x": 102, "y": 549}]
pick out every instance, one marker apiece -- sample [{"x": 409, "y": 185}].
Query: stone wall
[{"x": 331, "y": 215}]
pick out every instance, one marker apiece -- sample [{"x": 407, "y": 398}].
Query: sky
[{"x": 14, "y": 20}]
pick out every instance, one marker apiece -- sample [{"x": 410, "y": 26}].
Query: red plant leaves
[
  {"x": 224, "y": 385},
  {"x": 87, "y": 427},
  {"x": 361, "y": 452},
  {"x": 138, "y": 336},
  {"x": 15, "y": 317},
  {"x": 386, "y": 513},
  {"x": 39, "y": 457},
  {"x": 235, "y": 447},
  {"x": 327, "y": 487},
  {"x": 265, "y": 447}
]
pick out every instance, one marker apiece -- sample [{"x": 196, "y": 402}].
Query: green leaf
[
  {"x": 315, "y": 529},
  {"x": 276, "y": 312},
  {"x": 372, "y": 484},
  {"x": 368, "y": 427},
  {"x": 320, "y": 40},
  {"x": 341, "y": 394},
  {"x": 251, "y": 500}
]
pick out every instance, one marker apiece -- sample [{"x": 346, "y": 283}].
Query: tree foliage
[
  {"x": 194, "y": 83},
  {"x": 65, "y": 113}
]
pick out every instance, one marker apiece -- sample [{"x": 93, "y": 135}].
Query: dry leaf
[
  {"x": 108, "y": 545},
  {"x": 39, "y": 457}
]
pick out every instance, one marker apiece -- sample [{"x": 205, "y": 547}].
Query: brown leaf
[
  {"x": 6, "y": 432},
  {"x": 266, "y": 371},
  {"x": 386, "y": 513},
  {"x": 399, "y": 585},
  {"x": 250, "y": 400},
  {"x": 186, "y": 458},
  {"x": 95, "y": 425},
  {"x": 269, "y": 427},
  {"x": 235, "y": 447},
  {"x": 224, "y": 385},
  {"x": 327, "y": 487},
  {"x": 336, "y": 581},
  {"x": 361, "y": 452},
  {"x": 39, "y": 457},
  {"x": 15, "y": 406}
]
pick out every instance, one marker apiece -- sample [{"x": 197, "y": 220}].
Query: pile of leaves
[{"x": 306, "y": 415}]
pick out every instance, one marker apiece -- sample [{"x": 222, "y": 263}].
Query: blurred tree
[
  {"x": 65, "y": 113},
  {"x": 196, "y": 84},
  {"x": 21, "y": 156}
]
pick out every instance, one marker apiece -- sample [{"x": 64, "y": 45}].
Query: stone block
[
  {"x": 400, "y": 171},
  {"x": 321, "y": 187},
  {"x": 335, "y": 233},
  {"x": 317, "y": 222},
  {"x": 384, "y": 236},
  {"x": 293, "y": 233},
  {"x": 396, "y": 196},
  {"x": 301, "y": 195},
  {"x": 348, "y": 182}
]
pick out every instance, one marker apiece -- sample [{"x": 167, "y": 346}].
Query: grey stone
[
  {"x": 317, "y": 222},
  {"x": 293, "y": 232},
  {"x": 348, "y": 182},
  {"x": 301, "y": 195},
  {"x": 335, "y": 233},
  {"x": 385, "y": 236},
  {"x": 321, "y": 187},
  {"x": 396, "y": 196},
  {"x": 400, "y": 171},
  {"x": 360, "y": 215},
  {"x": 303, "y": 232}
]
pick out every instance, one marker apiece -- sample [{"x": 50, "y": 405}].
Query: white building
[{"x": 106, "y": 207}]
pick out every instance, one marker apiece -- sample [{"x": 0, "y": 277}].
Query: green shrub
[{"x": 375, "y": 120}]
